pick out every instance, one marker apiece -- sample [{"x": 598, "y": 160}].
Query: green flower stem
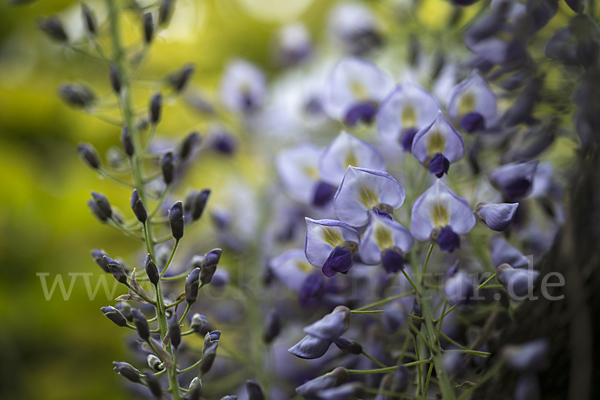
[
  {"x": 467, "y": 351},
  {"x": 427, "y": 381},
  {"x": 419, "y": 366},
  {"x": 159, "y": 202},
  {"x": 382, "y": 365},
  {"x": 426, "y": 264},
  {"x": 411, "y": 283},
  {"x": 191, "y": 367},
  {"x": 367, "y": 312},
  {"x": 486, "y": 282},
  {"x": 170, "y": 258},
  {"x": 386, "y": 369},
  {"x": 118, "y": 226},
  {"x": 386, "y": 300},
  {"x": 136, "y": 167},
  {"x": 185, "y": 313},
  {"x": 439, "y": 327},
  {"x": 113, "y": 179},
  {"x": 493, "y": 371}
]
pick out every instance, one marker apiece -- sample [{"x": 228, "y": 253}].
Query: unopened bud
[
  {"x": 175, "y": 331},
  {"x": 208, "y": 358},
  {"x": 126, "y": 310},
  {"x": 191, "y": 286},
  {"x": 148, "y": 27},
  {"x": 153, "y": 385},
  {"x": 179, "y": 79},
  {"x": 114, "y": 315},
  {"x": 272, "y": 326},
  {"x": 53, "y": 27},
  {"x": 195, "y": 389},
  {"x": 138, "y": 207},
  {"x": 155, "y": 108},
  {"x": 152, "y": 270},
  {"x": 116, "y": 269},
  {"x": 102, "y": 206},
  {"x": 89, "y": 18},
  {"x": 155, "y": 363},
  {"x": 127, "y": 371},
  {"x": 168, "y": 167},
  {"x": 114, "y": 75},
  {"x": 127, "y": 141},
  {"x": 209, "y": 265},
  {"x": 89, "y": 155},
  {"x": 76, "y": 95},
  {"x": 199, "y": 204},
  {"x": 176, "y": 220},
  {"x": 198, "y": 322},
  {"x": 141, "y": 324},
  {"x": 254, "y": 391},
  {"x": 188, "y": 145},
  {"x": 99, "y": 258}
]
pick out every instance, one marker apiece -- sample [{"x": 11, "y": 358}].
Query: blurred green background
[{"x": 61, "y": 349}]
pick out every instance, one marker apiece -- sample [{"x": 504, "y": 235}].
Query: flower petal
[
  {"x": 382, "y": 234},
  {"x": 292, "y": 268},
  {"x": 497, "y": 217},
  {"x": 243, "y": 86},
  {"x": 310, "y": 347},
  {"x": 298, "y": 169},
  {"x": 438, "y": 137},
  {"x": 323, "y": 236},
  {"x": 472, "y": 96}
]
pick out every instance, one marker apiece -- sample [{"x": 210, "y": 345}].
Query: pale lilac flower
[
  {"x": 354, "y": 89},
  {"x": 293, "y": 44},
  {"x": 503, "y": 252},
  {"x": 330, "y": 245},
  {"x": 497, "y": 217},
  {"x": 408, "y": 109},
  {"x": 345, "y": 151},
  {"x": 353, "y": 26},
  {"x": 385, "y": 241},
  {"x": 518, "y": 282},
  {"x": 472, "y": 104},
  {"x": 363, "y": 190},
  {"x": 243, "y": 86},
  {"x": 514, "y": 180},
  {"x": 438, "y": 145},
  {"x": 459, "y": 288},
  {"x": 441, "y": 216},
  {"x": 292, "y": 269}
]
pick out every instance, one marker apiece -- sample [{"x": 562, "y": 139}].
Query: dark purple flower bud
[
  {"x": 529, "y": 357},
  {"x": 254, "y": 391},
  {"x": 272, "y": 326},
  {"x": 472, "y": 122},
  {"x": 175, "y": 331},
  {"x": 152, "y": 270},
  {"x": 209, "y": 265},
  {"x": 464, "y": 3},
  {"x": 138, "y": 207},
  {"x": 114, "y": 315},
  {"x": 114, "y": 75},
  {"x": 167, "y": 167},
  {"x": 310, "y": 347},
  {"x": 527, "y": 388},
  {"x": 329, "y": 380},
  {"x": 153, "y": 385},
  {"x": 401, "y": 380},
  {"x": 362, "y": 112},
  {"x": 127, "y": 142},
  {"x": 165, "y": 10},
  {"x": 188, "y": 145},
  {"x": 448, "y": 240},
  {"x": 141, "y": 324},
  {"x": 224, "y": 143},
  {"x": 198, "y": 322},
  {"x": 195, "y": 389},
  {"x": 350, "y": 346},
  {"x": 211, "y": 339},
  {"x": 199, "y": 204},
  {"x": 53, "y": 27},
  {"x": 497, "y": 217},
  {"x": 393, "y": 317},
  {"x": 324, "y": 193},
  {"x": 76, "y": 95},
  {"x": 459, "y": 289},
  {"x": 406, "y": 139},
  {"x": 392, "y": 260},
  {"x": 155, "y": 108},
  {"x": 102, "y": 206},
  {"x": 348, "y": 391},
  {"x": 176, "y": 220},
  {"x": 126, "y": 310},
  {"x": 127, "y": 371},
  {"x": 208, "y": 358},
  {"x": 155, "y": 363},
  {"x": 89, "y": 155},
  {"x": 98, "y": 256},
  {"x": 179, "y": 79},
  {"x": 312, "y": 289},
  {"x": 518, "y": 282},
  {"x": 148, "y": 27},
  {"x": 191, "y": 286},
  {"x": 439, "y": 165},
  {"x": 339, "y": 260},
  {"x": 89, "y": 18},
  {"x": 331, "y": 326}
]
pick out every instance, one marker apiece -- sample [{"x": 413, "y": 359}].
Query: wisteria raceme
[{"x": 346, "y": 257}]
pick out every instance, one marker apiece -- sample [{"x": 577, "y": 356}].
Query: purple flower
[
  {"x": 345, "y": 151},
  {"x": 363, "y": 190},
  {"x": 293, "y": 44},
  {"x": 385, "y": 241},
  {"x": 514, "y": 180},
  {"x": 497, "y": 217},
  {"x": 438, "y": 145},
  {"x": 354, "y": 90},
  {"x": 472, "y": 104},
  {"x": 504, "y": 253},
  {"x": 331, "y": 326},
  {"x": 310, "y": 347},
  {"x": 330, "y": 245},
  {"x": 312, "y": 289},
  {"x": 243, "y": 86},
  {"x": 404, "y": 112},
  {"x": 440, "y": 208},
  {"x": 298, "y": 169},
  {"x": 518, "y": 282},
  {"x": 459, "y": 289},
  {"x": 332, "y": 379},
  {"x": 353, "y": 26}
]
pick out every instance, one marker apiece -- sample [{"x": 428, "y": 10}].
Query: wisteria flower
[
  {"x": 330, "y": 245},
  {"x": 363, "y": 190},
  {"x": 353, "y": 26},
  {"x": 298, "y": 169},
  {"x": 497, "y": 217},
  {"x": 505, "y": 253},
  {"x": 438, "y": 145},
  {"x": 293, "y": 44},
  {"x": 243, "y": 86},
  {"x": 517, "y": 281},
  {"x": 385, "y": 241},
  {"x": 292, "y": 269},
  {"x": 354, "y": 90},
  {"x": 514, "y": 180},
  {"x": 472, "y": 104},
  {"x": 345, "y": 151},
  {"x": 404, "y": 112},
  {"x": 441, "y": 216}
]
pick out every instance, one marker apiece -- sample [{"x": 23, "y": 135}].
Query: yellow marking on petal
[
  {"x": 466, "y": 103},
  {"x": 440, "y": 215},
  {"x": 368, "y": 198},
  {"x": 304, "y": 266},
  {"x": 436, "y": 143},
  {"x": 351, "y": 159},
  {"x": 359, "y": 90},
  {"x": 311, "y": 171},
  {"x": 409, "y": 117},
  {"x": 332, "y": 237},
  {"x": 383, "y": 237}
]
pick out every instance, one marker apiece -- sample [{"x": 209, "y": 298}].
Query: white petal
[
  {"x": 439, "y": 137},
  {"x": 298, "y": 169}
]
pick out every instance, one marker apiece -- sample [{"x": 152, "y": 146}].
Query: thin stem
[
  {"x": 159, "y": 202},
  {"x": 386, "y": 369},
  {"x": 118, "y": 226},
  {"x": 185, "y": 313},
  {"x": 473, "y": 352},
  {"x": 486, "y": 282},
  {"x": 191, "y": 367},
  {"x": 380, "y": 302},
  {"x": 411, "y": 283},
  {"x": 115, "y": 180},
  {"x": 367, "y": 312},
  {"x": 170, "y": 258},
  {"x": 419, "y": 367},
  {"x": 427, "y": 381},
  {"x": 426, "y": 264},
  {"x": 448, "y": 311},
  {"x": 382, "y": 365},
  {"x": 439, "y": 328}
]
